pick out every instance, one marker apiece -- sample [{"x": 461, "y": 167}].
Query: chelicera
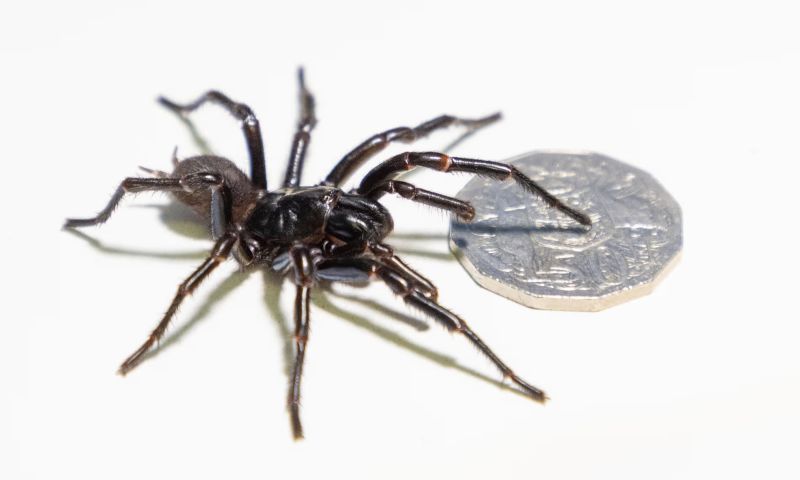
[{"x": 317, "y": 233}]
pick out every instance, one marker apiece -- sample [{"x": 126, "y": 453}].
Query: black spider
[{"x": 317, "y": 233}]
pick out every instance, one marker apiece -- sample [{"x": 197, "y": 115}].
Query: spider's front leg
[
  {"x": 129, "y": 185},
  {"x": 190, "y": 183}
]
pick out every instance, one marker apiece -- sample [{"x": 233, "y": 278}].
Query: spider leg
[
  {"x": 250, "y": 127},
  {"x": 412, "y": 296},
  {"x": 406, "y": 285},
  {"x": 421, "y": 284},
  {"x": 358, "y": 269},
  {"x": 339, "y": 255},
  {"x": 387, "y": 170},
  {"x": 218, "y": 254},
  {"x": 460, "y": 208},
  {"x": 188, "y": 183},
  {"x": 303, "y": 267},
  {"x": 129, "y": 185},
  {"x": 350, "y": 162},
  {"x": 301, "y": 323},
  {"x": 302, "y": 136}
]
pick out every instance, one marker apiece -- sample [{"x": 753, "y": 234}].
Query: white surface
[{"x": 699, "y": 380}]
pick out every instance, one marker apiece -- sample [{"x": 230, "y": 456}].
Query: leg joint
[{"x": 196, "y": 181}]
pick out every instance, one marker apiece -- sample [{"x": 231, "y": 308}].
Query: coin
[{"x": 519, "y": 248}]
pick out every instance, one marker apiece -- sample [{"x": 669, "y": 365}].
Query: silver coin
[{"x": 519, "y": 248}]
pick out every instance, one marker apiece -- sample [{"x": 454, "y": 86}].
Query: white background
[{"x": 699, "y": 380}]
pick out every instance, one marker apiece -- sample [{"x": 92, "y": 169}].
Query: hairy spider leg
[
  {"x": 460, "y": 208},
  {"x": 407, "y": 287},
  {"x": 129, "y": 185},
  {"x": 389, "y": 169},
  {"x": 355, "y": 158},
  {"x": 190, "y": 183},
  {"x": 302, "y": 136},
  {"x": 219, "y": 253},
  {"x": 250, "y": 128},
  {"x": 303, "y": 267},
  {"x": 421, "y": 283},
  {"x": 301, "y": 324}
]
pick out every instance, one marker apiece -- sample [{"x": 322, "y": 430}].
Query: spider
[{"x": 317, "y": 233}]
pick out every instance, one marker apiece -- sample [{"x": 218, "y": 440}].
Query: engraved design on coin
[{"x": 519, "y": 248}]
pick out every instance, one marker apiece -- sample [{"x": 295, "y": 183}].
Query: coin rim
[{"x": 567, "y": 302}]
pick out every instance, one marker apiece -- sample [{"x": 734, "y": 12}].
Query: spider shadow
[
  {"x": 183, "y": 221},
  {"x": 180, "y": 219},
  {"x": 273, "y": 286},
  {"x": 198, "y": 139},
  {"x": 132, "y": 252},
  {"x": 221, "y": 291},
  {"x": 473, "y": 228},
  {"x": 322, "y": 301}
]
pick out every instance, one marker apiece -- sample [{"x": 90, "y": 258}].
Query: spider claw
[
  {"x": 528, "y": 389},
  {"x": 579, "y": 217},
  {"x": 468, "y": 216},
  {"x": 134, "y": 360}
]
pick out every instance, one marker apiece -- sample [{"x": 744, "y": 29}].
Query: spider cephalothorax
[{"x": 317, "y": 233}]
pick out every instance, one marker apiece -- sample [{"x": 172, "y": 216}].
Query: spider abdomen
[{"x": 238, "y": 187}]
